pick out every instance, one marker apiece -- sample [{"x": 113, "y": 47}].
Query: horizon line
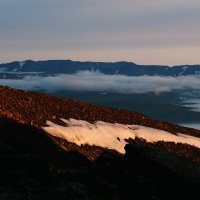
[{"x": 117, "y": 61}]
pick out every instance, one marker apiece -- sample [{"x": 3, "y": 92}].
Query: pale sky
[{"x": 163, "y": 32}]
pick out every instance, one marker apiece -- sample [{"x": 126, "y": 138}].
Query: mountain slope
[
  {"x": 35, "y": 165},
  {"x": 34, "y": 109}
]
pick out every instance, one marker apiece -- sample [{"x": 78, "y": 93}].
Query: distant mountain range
[{"x": 71, "y": 67}]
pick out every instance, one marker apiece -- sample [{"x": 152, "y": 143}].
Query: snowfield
[{"x": 112, "y": 136}]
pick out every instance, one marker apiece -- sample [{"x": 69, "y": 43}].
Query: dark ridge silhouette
[{"x": 125, "y": 68}]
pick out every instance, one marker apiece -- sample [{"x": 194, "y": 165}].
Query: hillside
[
  {"x": 34, "y": 109},
  {"x": 36, "y": 165}
]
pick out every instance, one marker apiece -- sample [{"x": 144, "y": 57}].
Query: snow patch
[
  {"x": 14, "y": 70},
  {"x": 22, "y": 63},
  {"x": 112, "y": 136},
  {"x": 184, "y": 69}
]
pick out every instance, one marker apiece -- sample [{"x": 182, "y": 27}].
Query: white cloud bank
[
  {"x": 98, "y": 82},
  {"x": 193, "y": 104},
  {"x": 192, "y": 125},
  {"x": 112, "y": 136}
]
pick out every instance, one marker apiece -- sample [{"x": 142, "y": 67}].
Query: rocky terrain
[
  {"x": 35, "y": 165},
  {"x": 34, "y": 109}
]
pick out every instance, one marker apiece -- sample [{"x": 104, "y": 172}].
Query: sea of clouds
[{"x": 99, "y": 82}]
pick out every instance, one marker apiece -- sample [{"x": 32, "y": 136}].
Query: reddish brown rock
[{"x": 34, "y": 109}]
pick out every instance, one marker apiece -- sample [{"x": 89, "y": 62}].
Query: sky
[{"x": 163, "y": 32}]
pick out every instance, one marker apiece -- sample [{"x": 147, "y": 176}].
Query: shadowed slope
[{"x": 33, "y": 167}]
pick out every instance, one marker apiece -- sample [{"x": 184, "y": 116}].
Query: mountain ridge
[{"x": 121, "y": 67}]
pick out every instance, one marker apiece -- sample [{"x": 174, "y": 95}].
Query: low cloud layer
[{"x": 96, "y": 81}]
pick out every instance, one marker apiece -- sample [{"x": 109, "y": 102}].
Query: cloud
[
  {"x": 96, "y": 81},
  {"x": 195, "y": 126}
]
